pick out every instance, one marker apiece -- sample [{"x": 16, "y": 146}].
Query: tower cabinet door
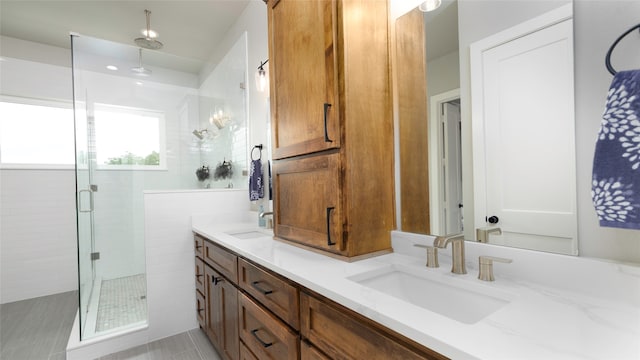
[
  {"x": 307, "y": 203},
  {"x": 303, "y": 71}
]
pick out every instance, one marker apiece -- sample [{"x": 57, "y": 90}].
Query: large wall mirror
[{"x": 485, "y": 122}]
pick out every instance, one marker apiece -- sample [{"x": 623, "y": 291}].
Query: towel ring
[
  {"x": 259, "y": 147},
  {"x": 608, "y": 57}
]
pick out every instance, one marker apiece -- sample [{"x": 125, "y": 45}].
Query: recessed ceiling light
[
  {"x": 112, "y": 67},
  {"x": 139, "y": 83},
  {"x": 152, "y": 34}
]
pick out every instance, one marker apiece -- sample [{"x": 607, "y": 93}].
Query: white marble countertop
[{"x": 541, "y": 321}]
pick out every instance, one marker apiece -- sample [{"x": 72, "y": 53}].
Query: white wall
[
  {"x": 171, "y": 298},
  {"x": 443, "y": 74},
  {"x": 37, "y": 233}
]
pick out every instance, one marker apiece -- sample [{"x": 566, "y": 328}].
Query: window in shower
[
  {"x": 36, "y": 133},
  {"x": 129, "y": 139}
]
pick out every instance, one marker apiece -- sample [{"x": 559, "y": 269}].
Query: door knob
[{"x": 493, "y": 219}]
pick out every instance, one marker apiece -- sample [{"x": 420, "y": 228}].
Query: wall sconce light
[
  {"x": 429, "y": 5},
  {"x": 219, "y": 119},
  {"x": 262, "y": 81}
]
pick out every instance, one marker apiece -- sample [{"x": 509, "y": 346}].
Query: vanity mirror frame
[{"x": 470, "y": 213}]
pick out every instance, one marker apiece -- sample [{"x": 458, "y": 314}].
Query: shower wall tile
[
  {"x": 37, "y": 233},
  {"x": 170, "y": 255}
]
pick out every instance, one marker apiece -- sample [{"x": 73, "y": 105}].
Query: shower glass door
[
  {"x": 114, "y": 164},
  {"x": 85, "y": 199}
]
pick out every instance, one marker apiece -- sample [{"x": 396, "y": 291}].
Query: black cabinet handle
[
  {"x": 264, "y": 344},
  {"x": 263, "y": 291},
  {"x": 199, "y": 275},
  {"x": 217, "y": 279},
  {"x": 329, "y": 209},
  {"x": 326, "y": 132},
  {"x": 200, "y": 310},
  {"x": 198, "y": 246}
]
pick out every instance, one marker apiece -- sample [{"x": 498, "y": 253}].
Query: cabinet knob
[{"x": 493, "y": 219}]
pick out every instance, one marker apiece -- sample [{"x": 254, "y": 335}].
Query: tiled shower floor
[{"x": 122, "y": 302}]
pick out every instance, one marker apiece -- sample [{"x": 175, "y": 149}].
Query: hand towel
[
  {"x": 615, "y": 186},
  {"x": 256, "y": 184}
]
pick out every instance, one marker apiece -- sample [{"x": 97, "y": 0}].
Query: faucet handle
[
  {"x": 486, "y": 266},
  {"x": 432, "y": 255}
]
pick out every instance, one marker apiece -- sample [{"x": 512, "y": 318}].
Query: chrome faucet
[
  {"x": 457, "y": 248},
  {"x": 265, "y": 213}
]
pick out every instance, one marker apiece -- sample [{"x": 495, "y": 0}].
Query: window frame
[
  {"x": 55, "y": 103},
  {"x": 162, "y": 138}
]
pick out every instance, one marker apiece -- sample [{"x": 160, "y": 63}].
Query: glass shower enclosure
[{"x": 144, "y": 121}]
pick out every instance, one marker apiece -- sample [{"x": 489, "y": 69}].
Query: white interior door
[
  {"x": 523, "y": 131},
  {"x": 452, "y": 161}
]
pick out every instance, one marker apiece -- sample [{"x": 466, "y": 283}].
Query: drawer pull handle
[
  {"x": 326, "y": 132},
  {"x": 217, "y": 279},
  {"x": 264, "y": 344},
  {"x": 199, "y": 275},
  {"x": 198, "y": 246},
  {"x": 329, "y": 209},
  {"x": 263, "y": 291},
  {"x": 200, "y": 310}
]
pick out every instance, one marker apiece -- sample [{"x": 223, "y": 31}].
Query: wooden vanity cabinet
[
  {"x": 332, "y": 125},
  {"x": 265, "y": 315}
]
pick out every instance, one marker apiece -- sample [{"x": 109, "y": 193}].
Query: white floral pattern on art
[{"x": 612, "y": 200}]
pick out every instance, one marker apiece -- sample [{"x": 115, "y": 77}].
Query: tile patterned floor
[
  {"x": 38, "y": 329},
  {"x": 122, "y": 302}
]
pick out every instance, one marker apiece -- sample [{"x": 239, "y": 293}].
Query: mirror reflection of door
[
  {"x": 524, "y": 134},
  {"x": 452, "y": 167}
]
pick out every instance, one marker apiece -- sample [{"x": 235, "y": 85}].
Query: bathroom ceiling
[{"x": 188, "y": 29}]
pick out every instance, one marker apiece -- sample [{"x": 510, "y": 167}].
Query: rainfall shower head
[
  {"x": 140, "y": 70},
  {"x": 148, "y": 42}
]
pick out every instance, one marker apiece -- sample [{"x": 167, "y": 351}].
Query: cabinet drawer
[
  {"x": 341, "y": 334},
  {"x": 308, "y": 352},
  {"x": 198, "y": 245},
  {"x": 246, "y": 354},
  {"x": 200, "y": 275},
  {"x": 222, "y": 260},
  {"x": 201, "y": 310},
  {"x": 274, "y": 293},
  {"x": 265, "y": 335},
  {"x": 308, "y": 201}
]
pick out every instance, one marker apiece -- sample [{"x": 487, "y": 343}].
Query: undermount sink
[
  {"x": 250, "y": 234},
  {"x": 468, "y": 304}
]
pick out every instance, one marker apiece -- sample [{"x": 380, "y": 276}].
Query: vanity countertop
[{"x": 541, "y": 321}]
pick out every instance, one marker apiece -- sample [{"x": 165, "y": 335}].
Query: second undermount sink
[
  {"x": 466, "y": 302},
  {"x": 249, "y": 234}
]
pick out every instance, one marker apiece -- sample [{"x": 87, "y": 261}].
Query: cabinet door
[
  {"x": 307, "y": 201},
  {"x": 303, "y": 70},
  {"x": 222, "y": 314}
]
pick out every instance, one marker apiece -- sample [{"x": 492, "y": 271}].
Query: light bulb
[{"x": 429, "y": 5}]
